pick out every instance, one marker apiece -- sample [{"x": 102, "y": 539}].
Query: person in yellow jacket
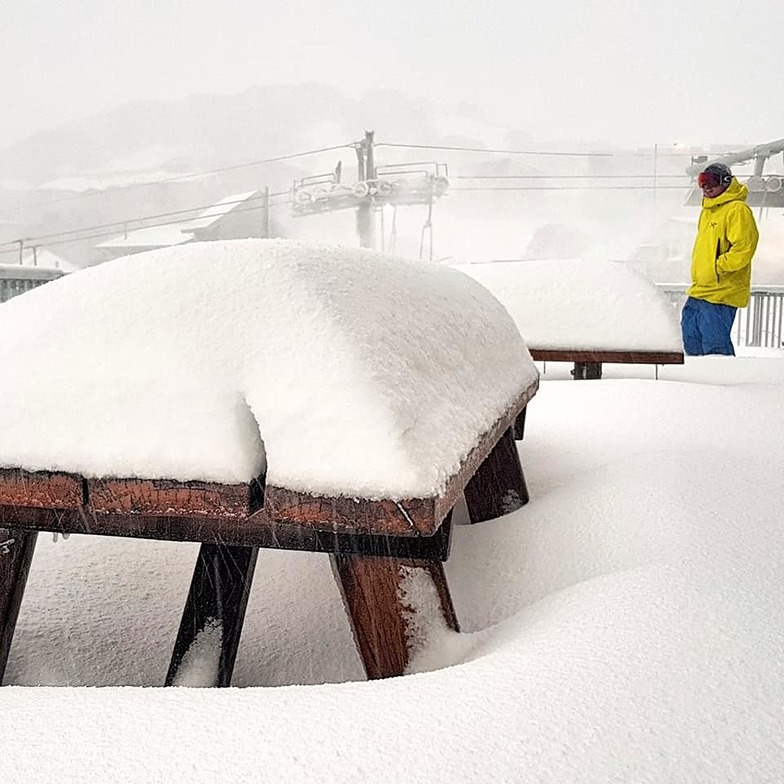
[{"x": 720, "y": 264}]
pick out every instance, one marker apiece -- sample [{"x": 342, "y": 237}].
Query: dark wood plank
[
  {"x": 213, "y": 616},
  {"x": 254, "y": 531},
  {"x": 380, "y": 617},
  {"x": 167, "y": 497},
  {"x": 408, "y": 517},
  {"x": 498, "y": 487},
  {"x": 46, "y": 489},
  {"x": 626, "y": 357},
  {"x": 16, "y": 553}
]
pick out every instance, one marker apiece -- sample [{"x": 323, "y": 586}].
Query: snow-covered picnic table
[
  {"x": 263, "y": 394},
  {"x": 585, "y": 312}
]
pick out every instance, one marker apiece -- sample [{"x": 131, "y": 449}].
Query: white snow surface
[
  {"x": 200, "y": 666},
  {"x": 351, "y": 373},
  {"x": 623, "y": 626},
  {"x": 582, "y": 305}
]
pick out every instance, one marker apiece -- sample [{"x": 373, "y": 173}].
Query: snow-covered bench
[
  {"x": 262, "y": 394},
  {"x": 585, "y": 313}
]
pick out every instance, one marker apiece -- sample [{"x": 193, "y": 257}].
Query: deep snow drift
[
  {"x": 637, "y": 601},
  {"x": 623, "y": 626}
]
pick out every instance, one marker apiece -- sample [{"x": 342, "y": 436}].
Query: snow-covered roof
[
  {"x": 26, "y": 272},
  {"x": 170, "y": 234},
  {"x": 48, "y": 260},
  {"x": 355, "y": 373},
  {"x": 219, "y": 210},
  {"x": 153, "y": 237},
  {"x": 582, "y": 305}
]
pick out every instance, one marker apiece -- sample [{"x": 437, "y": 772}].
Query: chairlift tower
[{"x": 375, "y": 187}]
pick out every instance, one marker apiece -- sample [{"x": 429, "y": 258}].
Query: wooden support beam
[
  {"x": 498, "y": 487},
  {"x": 384, "y": 620},
  {"x": 255, "y": 531},
  {"x": 209, "y": 634},
  {"x": 16, "y": 553}
]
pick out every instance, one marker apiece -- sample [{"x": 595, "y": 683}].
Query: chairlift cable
[
  {"x": 559, "y": 153},
  {"x": 573, "y": 188}
]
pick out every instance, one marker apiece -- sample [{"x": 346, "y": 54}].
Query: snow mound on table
[
  {"x": 582, "y": 306},
  {"x": 346, "y": 371}
]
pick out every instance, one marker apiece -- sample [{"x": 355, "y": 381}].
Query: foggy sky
[{"x": 689, "y": 71}]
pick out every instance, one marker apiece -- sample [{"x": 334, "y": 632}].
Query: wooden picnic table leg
[
  {"x": 16, "y": 553},
  {"x": 498, "y": 486},
  {"x": 519, "y": 425},
  {"x": 389, "y": 605},
  {"x": 584, "y": 371},
  {"x": 209, "y": 635}
]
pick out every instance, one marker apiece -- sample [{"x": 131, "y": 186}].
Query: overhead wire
[
  {"x": 555, "y": 153},
  {"x": 648, "y": 176},
  {"x": 491, "y": 150},
  {"x": 571, "y": 188}
]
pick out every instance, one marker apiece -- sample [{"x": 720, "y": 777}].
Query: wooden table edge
[
  {"x": 413, "y": 517},
  {"x": 620, "y": 357}
]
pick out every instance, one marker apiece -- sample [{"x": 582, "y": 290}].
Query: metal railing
[
  {"x": 16, "y": 279},
  {"x": 761, "y": 324}
]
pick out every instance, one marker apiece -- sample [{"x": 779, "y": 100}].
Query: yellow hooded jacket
[{"x": 726, "y": 240}]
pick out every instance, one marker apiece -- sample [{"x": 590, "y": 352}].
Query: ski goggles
[{"x": 711, "y": 180}]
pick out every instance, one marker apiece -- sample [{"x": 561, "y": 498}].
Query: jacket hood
[{"x": 735, "y": 192}]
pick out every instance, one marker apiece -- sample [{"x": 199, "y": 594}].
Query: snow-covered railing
[
  {"x": 16, "y": 279},
  {"x": 760, "y": 324}
]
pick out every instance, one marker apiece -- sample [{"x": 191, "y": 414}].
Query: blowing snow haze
[
  {"x": 137, "y": 103},
  {"x": 622, "y": 73}
]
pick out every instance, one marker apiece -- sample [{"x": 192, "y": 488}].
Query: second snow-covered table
[
  {"x": 263, "y": 394},
  {"x": 585, "y": 312}
]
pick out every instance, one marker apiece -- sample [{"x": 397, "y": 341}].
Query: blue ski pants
[{"x": 706, "y": 327}]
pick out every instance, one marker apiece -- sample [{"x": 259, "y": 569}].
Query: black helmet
[{"x": 715, "y": 174}]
